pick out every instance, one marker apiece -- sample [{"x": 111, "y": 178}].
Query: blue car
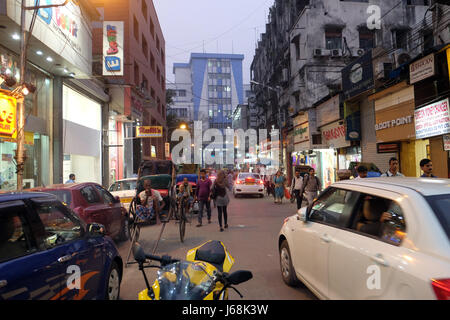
[{"x": 48, "y": 253}]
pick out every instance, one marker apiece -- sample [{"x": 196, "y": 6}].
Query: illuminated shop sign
[
  {"x": 149, "y": 132},
  {"x": 432, "y": 120},
  {"x": 113, "y": 48},
  {"x": 8, "y": 119}
]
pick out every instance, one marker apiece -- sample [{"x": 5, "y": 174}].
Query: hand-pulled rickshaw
[{"x": 162, "y": 176}]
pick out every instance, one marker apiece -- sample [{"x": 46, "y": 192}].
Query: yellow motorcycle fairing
[{"x": 212, "y": 252}]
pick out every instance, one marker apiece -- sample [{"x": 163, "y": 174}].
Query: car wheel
[
  {"x": 125, "y": 232},
  {"x": 287, "y": 270},
  {"x": 113, "y": 283},
  {"x": 261, "y": 195}
]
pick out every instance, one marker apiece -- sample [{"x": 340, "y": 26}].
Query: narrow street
[{"x": 254, "y": 225}]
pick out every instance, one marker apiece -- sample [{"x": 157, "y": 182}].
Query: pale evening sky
[{"x": 224, "y": 26}]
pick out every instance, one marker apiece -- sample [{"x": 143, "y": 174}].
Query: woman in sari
[{"x": 280, "y": 182}]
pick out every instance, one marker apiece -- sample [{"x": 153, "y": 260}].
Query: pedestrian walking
[
  {"x": 203, "y": 195},
  {"x": 427, "y": 167},
  {"x": 71, "y": 179},
  {"x": 280, "y": 182},
  {"x": 311, "y": 185},
  {"x": 297, "y": 188},
  {"x": 393, "y": 169},
  {"x": 230, "y": 178},
  {"x": 220, "y": 194}
]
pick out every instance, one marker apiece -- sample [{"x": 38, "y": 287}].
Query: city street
[{"x": 254, "y": 225}]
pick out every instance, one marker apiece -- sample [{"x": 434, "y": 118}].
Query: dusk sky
[{"x": 222, "y": 25}]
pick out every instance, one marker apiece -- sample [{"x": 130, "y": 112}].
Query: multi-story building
[
  {"x": 215, "y": 84},
  {"x": 129, "y": 33}
]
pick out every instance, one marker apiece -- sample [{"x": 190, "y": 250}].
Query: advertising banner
[
  {"x": 8, "y": 116},
  {"x": 113, "y": 35},
  {"x": 422, "y": 69},
  {"x": 149, "y": 132},
  {"x": 432, "y": 120},
  {"x": 334, "y": 135},
  {"x": 357, "y": 77}
]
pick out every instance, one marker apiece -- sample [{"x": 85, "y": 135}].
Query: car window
[
  {"x": 380, "y": 218},
  {"x": 335, "y": 207},
  {"x": 114, "y": 187},
  {"x": 15, "y": 238},
  {"x": 62, "y": 195},
  {"x": 58, "y": 226},
  {"x": 440, "y": 205},
  {"x": 90, "y": 194},
  {"x": 105, "y": 195}
]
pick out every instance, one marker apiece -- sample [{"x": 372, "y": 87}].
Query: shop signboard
[
  {"x": 334, "y": 135},
  {"x": 388, "y": 147},
  {"x": 448, "y": 62},
  {"x": 432, "y": 120},
  {"x": 113, "y": 35},
  {"x": 149, "y": 132},
  {"x": 301, "y": 133},
  {"x": 352, "y": 115},
  {"x": 8, "y": 116},
  {"x": 422, "y": 69},
  {"x": 153, "y": 152},
  {"x": 357, "y": 77},
  {"x": 447, "y": 142},
  {"x": 328, "y": 112}
]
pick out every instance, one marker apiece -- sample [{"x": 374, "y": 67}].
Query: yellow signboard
[
  {"x": 149, "y": 132},
  {"x": 448, "y": 62},
  {"x": 8, "y": 116}
]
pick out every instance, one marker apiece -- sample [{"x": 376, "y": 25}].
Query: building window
[
  {"x": 144, "y": 9},
  {"x": 144, "y": 46},
  {"x": 152, "y": 62},
  {"x": 136, "y": 74},
  {"x": 400, "y": 39},
  {"x": 136, "y": 28},
  {"x": 144, "y": 84},
  {"x": 163, "y": 57},
  {"x": 152, "y": 93},
  {"x": 157, "y": 43},
  {"x": 366, "y": 39},
  {"x": 333, "y": 38},
  {"x": 182, "y": 93},
  {"x": 158, "y": 75}
]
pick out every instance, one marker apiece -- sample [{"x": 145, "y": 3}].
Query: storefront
[
  {"x": 37, "y": 128},
  {"x": 394, "y": 127},
  {"x": 82, "y": 139}
]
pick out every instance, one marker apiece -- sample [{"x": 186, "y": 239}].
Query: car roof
[
  {"x": 69, "y": 186},
  {"x": 13, "y": 196},
  {"x": 127, "y": 179},
  {"x": 425, "y": 186}
]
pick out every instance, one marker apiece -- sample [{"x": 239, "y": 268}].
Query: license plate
[
  {"x": 126, "y": 200},
  {"x": 250, "y": 183}
]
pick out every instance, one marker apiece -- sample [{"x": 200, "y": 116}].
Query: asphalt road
[{"x": 252, "y": 239}]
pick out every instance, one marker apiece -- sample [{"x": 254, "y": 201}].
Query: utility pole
[{"x": 20, "y": 152}]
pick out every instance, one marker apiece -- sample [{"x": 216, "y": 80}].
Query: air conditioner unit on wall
[
  {"x": 336, "y": 53},
  {"x": 321, "y": 52},
  {"x": 358, "y": 52},
  {"x": 401, "y": 57}
]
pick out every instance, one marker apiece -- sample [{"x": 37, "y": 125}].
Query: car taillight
[{"x": 441, "y": 288}]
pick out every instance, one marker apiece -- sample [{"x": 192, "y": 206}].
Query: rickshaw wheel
[{"x": 132, "y": 220}]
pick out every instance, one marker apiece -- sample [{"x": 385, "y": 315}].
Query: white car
[
  {"x": 248, "y": 183},
  {"x": 124, "y": 189},
  {"x": 340, "y": 249}
]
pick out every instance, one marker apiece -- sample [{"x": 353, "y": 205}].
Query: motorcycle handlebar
[{"x": 165, "y": 260}]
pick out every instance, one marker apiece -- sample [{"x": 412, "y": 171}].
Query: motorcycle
[{"x": 202, "y": 276}]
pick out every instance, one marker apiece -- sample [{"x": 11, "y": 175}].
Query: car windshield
[
  {"x": 64, "y": 196},
  {"x": 440, "y": 205},
  {"x": 185, "y": 281},
  {"x": 123, "y": 185},
  {"x": 248, "y": 175}
]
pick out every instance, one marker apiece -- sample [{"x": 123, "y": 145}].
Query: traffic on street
[{"x": 259, "y": 150}]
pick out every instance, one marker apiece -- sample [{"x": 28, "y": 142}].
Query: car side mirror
[
  {"x": 96, "y": 229},
  {"x": 240, "y": 276},
  {"x": 117, "y": 198},
  {"x": 303, "y": 214}
]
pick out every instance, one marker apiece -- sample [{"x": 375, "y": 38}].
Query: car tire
[
  {"x": 113, "y": 283},
  {"x": 125, "y": 232},
  {"x": 287, "y": 269},
  {"x": 261, "y": 195}
]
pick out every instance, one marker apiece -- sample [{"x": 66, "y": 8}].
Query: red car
[{"x": 93, "y": 203}]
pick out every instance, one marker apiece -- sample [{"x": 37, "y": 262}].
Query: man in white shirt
[
  {"x": 297, "y": 188},
  {"x": 393, "y": 169}
]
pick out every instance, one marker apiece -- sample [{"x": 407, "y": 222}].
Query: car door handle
[
  {"x": 378, "y": 258},
  {"x": 64, "y": 259},
  {"x": 3, "y": 283},
  {"x": 325, "y": 238}
]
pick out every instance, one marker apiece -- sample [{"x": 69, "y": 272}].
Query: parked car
[
  {"x": 44, "y": 246},
  {"x": 93, "y": 203},
  {"x": 380, "y": 238},
  {"x": 124, "y": 189},
  {"x": 248, "y": 183}
]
